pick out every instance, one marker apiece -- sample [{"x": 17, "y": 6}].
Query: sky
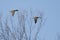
[{"x": 50, "y": 8}]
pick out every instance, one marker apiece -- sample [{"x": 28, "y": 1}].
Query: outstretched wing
[
  {"x": 13, "y": 13},
  {"x": 35, "y": 21}
]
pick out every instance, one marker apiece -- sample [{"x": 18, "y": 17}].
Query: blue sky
[{"x": 50, "y": 8}]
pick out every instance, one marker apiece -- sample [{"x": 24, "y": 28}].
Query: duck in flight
[
  {"x": 36, "y": 18},
  {"x": 13, "y": 12}
]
